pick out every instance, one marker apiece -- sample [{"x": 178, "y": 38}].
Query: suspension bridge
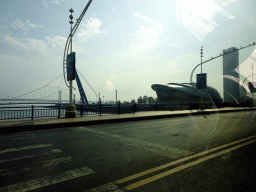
[{"x": 53, "y": 92}]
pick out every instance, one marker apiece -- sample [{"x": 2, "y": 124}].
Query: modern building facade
[
  {"x": 177, "y": 93},
  {"x": 231, "y": 79}
]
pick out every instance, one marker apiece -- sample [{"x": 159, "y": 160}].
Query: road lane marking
[
  {"x": 25, "y": 148},
  {"x": 178, "y": 161},
  {"x": 171, "y": 152},
  {"x": 32, "y": 156},
  {"x": 15, "y": 159},
  {"x": 189, "y": 120},
  {"x": 112, "y": 186},
  {"x": 105, "y": 187},
  {"x": 169, "y": 172},
  {"x": 56, "y": 151},
  {"x": 54, "y": 162},
  {"x": 47, "y": 180},
  {"x": 33, "y": 166},
  {"x": 22, "y": 138},
  {"x": 19, "y": 134}
]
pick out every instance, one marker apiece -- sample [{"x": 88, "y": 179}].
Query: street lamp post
[
  {"x": 252, "y": 91},
  {"x": 221, "y": 55},
  {"x": 70, "y": 82},
  {"x": 116, "y": 97},
  {"x": 201, "y": 59},
  {"x": 71, "y": 108},
  {"x": 201, "y": 101}
]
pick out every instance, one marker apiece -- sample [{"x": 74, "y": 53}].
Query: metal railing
[{"x": 31, "y": 112}]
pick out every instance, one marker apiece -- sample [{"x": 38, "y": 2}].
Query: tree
[
  {"x": 133, "y": 101},
  {"x": 126, "y": 103},
  {"x": 151, "y": 100},
  {"x": 145, "y": 99},
  {"x": 140, "y": 100}
]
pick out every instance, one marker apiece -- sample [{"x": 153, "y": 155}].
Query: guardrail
[
  {"x": 31, "y": 112},
  {"x": 26, "y": 112}
]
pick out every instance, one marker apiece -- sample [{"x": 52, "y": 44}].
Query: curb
[
  {"x": 31, "y": 127},
  {"x": 28, "y": 127}
]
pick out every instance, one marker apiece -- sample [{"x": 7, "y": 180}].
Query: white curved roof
[{"x": 190, "y": 89}]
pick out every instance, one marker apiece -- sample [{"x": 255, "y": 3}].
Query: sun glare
[{"x": 198, "y": 16}]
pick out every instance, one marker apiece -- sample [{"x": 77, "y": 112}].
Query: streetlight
[
  {"x": 221, "y": 55},
  {"x": 70, "y": 82},
  {"x": 201, "y": 59},
  {"x": 201, "y": 105},
  {"x": 71, "y": 108},
  {"x": 252, "y": 82}
]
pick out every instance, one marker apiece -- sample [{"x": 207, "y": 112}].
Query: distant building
[
  {"x": 177, "y": 93},
  {"x": 231, "y": 80}
]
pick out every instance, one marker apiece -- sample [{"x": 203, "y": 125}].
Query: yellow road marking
[
  {"x": 177, "y": 161},
  {"x": 166, "y": 173}
]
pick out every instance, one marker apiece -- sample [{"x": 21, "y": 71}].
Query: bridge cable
[
  {"x": 87, "y": 82},
  {"x": 4, "y": 95},
  {"x": 38, "y": 88}
]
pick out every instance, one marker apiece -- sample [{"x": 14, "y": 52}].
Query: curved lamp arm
[
  {"x": 70, "y": 35},
  {"x": 216, "y": 58}
]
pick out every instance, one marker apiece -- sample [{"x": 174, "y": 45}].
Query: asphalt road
[{"x": 192, "y": 153}]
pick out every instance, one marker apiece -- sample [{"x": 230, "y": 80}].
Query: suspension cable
[
  {"x": 5, "y": 95},
  {"x": 38, "y": 88},
  {"x": 87, "y": 82}
]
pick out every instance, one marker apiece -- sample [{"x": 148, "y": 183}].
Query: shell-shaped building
[{"x": 184, "y": 93}]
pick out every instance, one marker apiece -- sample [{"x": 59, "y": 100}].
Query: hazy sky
[{"x": 120, "y": 45}]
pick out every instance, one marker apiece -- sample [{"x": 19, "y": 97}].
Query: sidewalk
[{"x": 47, "y": 123}]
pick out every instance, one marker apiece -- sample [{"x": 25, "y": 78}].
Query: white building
[{"x": 177, "y": 93}]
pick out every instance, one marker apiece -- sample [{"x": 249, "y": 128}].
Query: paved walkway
[{"x": 27, "y": 125}]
